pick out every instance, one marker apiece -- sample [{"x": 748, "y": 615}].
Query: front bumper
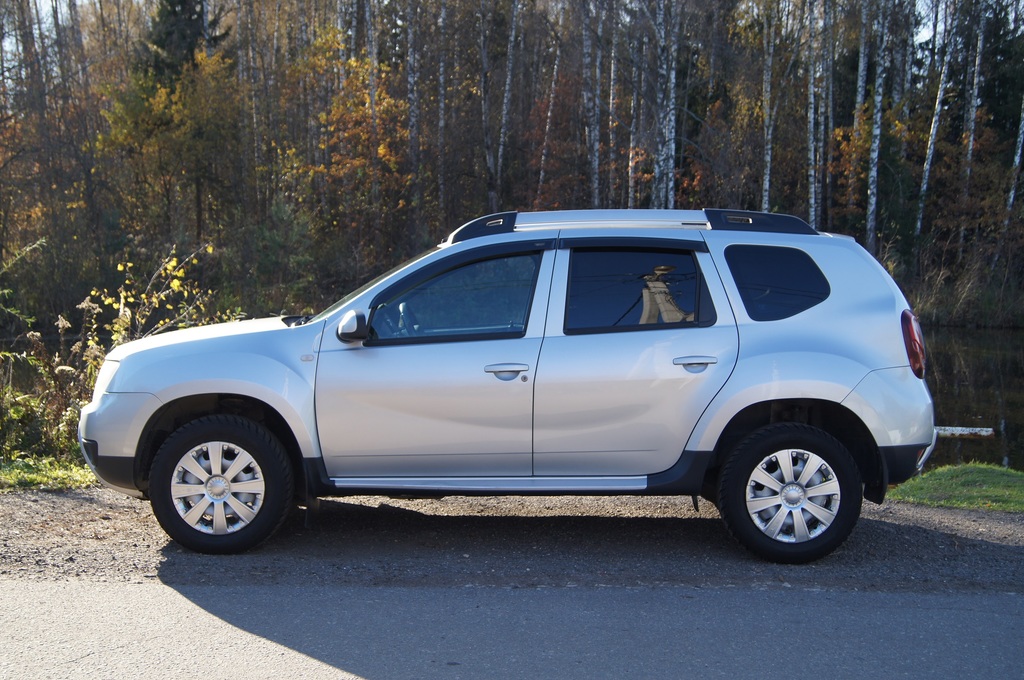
[
  {"x": 116, "y": 472},
  {"x": 109, "y": 432}
]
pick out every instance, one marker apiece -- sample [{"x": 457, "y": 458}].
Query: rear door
[{"x": 635, "y": 350}]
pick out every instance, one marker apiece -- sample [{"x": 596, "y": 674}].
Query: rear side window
[
  {"x": 614, "y": 289},
  {"x": 775, "y": 282}
]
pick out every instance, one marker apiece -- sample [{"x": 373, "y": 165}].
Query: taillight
[{"x": 913, "y": 338}]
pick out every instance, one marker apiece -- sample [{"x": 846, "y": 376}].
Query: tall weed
[{"x": 39, "y": 420}]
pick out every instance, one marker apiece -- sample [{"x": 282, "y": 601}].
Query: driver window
[{"x": 485, "y": 299}]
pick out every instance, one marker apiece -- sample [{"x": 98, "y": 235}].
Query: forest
[{"x": 264, "y": 156}]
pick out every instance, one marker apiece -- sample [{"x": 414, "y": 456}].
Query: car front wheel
[
  {"x": 221, "y": 484},
  {"x": 790, "y": 493}
]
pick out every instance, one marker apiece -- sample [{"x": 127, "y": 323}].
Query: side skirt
[{"x": 685, "y": 478}]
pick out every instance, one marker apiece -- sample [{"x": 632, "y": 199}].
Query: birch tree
[
  {"x": 769, "y": 39},
  {"x": 940, "y": 93},
  {"x": 871, "y": 221},
  {"x": 442, "y": 111},
  {"x": 375, "y": 168},
  {"x": 970, "y": 125},
  {"x": 639, "y": 49},
  {"x": 667, "y": 20},
  {"x": 590, "y": 106},
  {"x": 782, "y": 23},
  {"x": 814, "y": 50},
  {"x": 490, "y": 160},
  {"x": 546, "y": 140},
  {"x": 506, "y": 100},
  {"x": 417, "y": 229},
  {"x": 862, "y": 57},
  {"x": 1012, "y": 192},
  {"x": 612, "y": 93}
]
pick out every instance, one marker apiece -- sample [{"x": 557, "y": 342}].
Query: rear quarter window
[{"x": 776, "y": 282}]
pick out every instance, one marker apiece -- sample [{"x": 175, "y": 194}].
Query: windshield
[{"x": 366, "y": 286}]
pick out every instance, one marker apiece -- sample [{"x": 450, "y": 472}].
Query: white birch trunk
[
  {"x": 828, "y": 115},
  {"x": 544, "y": 149},
  {"x": 442, "y": 99},
  {"x": 371, "y": 48},
  {"x": 506, "y": 101},
  {"x": 1015, "y": 172},
  {"x": 863, "y": 54},
  {"x": 485, "y": 108},
  {"x": 612, "y": 122},
  {"x": 871, "y": 226},
  {"x": 1012, "y": 193},
  {"x": 768, "y": 43},
  {"x": 590, "y": 114},
  {"x": 666, "y": 31},
  {"x": 813, "y": 57},
  {"x": 929, "y": 155},
  {"x": 971, "y": 126},
  {"x": 418, "y": 231},
  {"x": 862, "y": 58},
  {"x": 638, "y": 51}
]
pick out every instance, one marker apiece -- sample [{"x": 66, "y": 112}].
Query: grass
[
  {"x": 48, "y": 474},
  {"x": 974, "y": 486}
]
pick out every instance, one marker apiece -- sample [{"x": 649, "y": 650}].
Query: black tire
[
  {"x": 778, "y": 519},
  {"x": 242, "y": 478}
]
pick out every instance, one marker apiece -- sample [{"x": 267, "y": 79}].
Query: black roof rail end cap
[
  {"x": 488, "y": 225},
  {"x": 747, "y": 220}
]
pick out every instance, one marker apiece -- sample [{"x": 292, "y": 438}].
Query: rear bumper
[
  {"x": 928, "y": 452},
  {"x": 903, "y": 462}
]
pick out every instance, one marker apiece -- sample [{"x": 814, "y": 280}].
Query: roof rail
[{"x": 721, "y": 220}]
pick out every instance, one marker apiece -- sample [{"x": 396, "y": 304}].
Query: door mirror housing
[{"x": 352, "y": 327}]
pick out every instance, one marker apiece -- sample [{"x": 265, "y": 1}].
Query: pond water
[{"x": 977, "y": 380}]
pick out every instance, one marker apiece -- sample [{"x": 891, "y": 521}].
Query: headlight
[{"x": 105, "y": 377}]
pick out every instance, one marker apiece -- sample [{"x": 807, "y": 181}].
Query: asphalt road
[
  {"x": 558, "y": 588},
  {"x": 95, "y": 630}
]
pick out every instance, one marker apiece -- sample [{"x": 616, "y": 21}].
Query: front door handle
[
  {"x": 694, "y": 361},
  {"x": 695, "y": 364},
  {"x": 506, "y": 371}
]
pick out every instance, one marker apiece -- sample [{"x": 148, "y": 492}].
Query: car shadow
[
  {"x": 382, "y": 589},
  {"x": 383, "y": 543}
]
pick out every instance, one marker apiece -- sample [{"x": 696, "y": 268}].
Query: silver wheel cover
[
  {"x": 217, "y": 488},
  {"x": 792, "y": 496}
]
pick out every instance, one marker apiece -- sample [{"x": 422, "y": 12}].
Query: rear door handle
[{"x": 506, "y": 371}]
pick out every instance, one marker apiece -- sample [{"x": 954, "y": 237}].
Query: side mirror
[{"x": 352, "y": 327}]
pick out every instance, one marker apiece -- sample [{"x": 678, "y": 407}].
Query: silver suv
[{"x": 742, "y": 357}]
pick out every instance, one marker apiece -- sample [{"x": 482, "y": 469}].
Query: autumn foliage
[{"x": 314, "y": 144}]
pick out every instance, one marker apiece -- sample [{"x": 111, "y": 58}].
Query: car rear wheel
[
  {"x": 790, "y": 493},
  {"x": 221, "y": 484}
]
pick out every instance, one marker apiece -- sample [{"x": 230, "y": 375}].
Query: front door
[{"x": 444, "y": 385}]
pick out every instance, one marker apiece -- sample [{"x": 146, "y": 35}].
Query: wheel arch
[
  {"x": 184, "y": 410},
  {"x": 828, "y": 416}
]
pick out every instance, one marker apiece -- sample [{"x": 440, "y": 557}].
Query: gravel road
[{"x": 99, "y": 535}]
